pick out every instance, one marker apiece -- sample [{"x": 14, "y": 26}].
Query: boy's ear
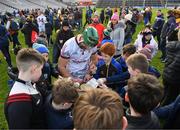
[
  {"x": 33, "y": 68},
  {"x": 126, "y": 97},
  {"x": 124, "y": 123}
]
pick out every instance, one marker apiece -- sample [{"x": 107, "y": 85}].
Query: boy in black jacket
[{"x": 144, "y": 93}]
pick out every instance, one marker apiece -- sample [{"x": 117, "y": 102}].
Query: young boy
[
  {"x": 59, "y": 105},
  {"x": 44, "y": 83},
  {"x": 144, "y": 93},
  {"x": 127, "y": 51},
  {"x": 99, "y": 109},
  {"x": 108, "y": 66},
  {"x": 23, "y": 108},
  {"x": 106, "y": 36},
  {"x": 137, "y": 63}
]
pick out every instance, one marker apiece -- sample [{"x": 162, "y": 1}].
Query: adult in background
[
  {"x": 98, "y": 26},
  {"x": 117, "y": 34},
  {"x": 27, "y": 29},
  {"x": 168, "y": 27},
  {"x": 13, "y": 27},
  {"x": 171, "y": 73},
  {"x": 158, "y": 25},
  {"x": 102, "y": 17},
  {"x": 62, "y": 36},
  {"x": 4, "y": 44},
  {"x": 41, "y": 20}
]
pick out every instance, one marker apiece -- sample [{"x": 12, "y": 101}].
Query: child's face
[
  {"x": 36, "y": 72},
  {"x": 105, "y": 57},
  {"x": 46, "y": 56}
]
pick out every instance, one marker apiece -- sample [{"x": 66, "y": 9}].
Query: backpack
[
  {"x": 34, "y": 36},
  {"x": 14, "y": 26}
]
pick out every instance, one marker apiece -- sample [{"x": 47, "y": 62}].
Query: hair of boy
[
  {"x": 98, "y": 109},
  {"x": 129, "y": 49},
  {"x": 108, "y": 48},
  {"x": 144, "y": 92},
  {"x": 138, "y": 61},
  {"x": 27, "y": 57},
  {"x": 64, "y": 91}
]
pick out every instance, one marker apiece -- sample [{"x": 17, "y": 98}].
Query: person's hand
[
  {"x": 92, "y": 68},
  {"x": 77, "y": 80},
  {"x": 101, "y": 81},
  {"x": 87, "y": 77},
  {"x": 103, "y": 86}
]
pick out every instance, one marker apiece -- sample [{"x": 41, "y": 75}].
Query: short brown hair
[
  {"x": 144, "y": 92},
  {"x": 138, "y": 61},
  {"x": 64, "y": 91},
  {"x": 130, "y": 49},
  {"x": 98, "y": 109},
  {"x": 26, "y": 57}
]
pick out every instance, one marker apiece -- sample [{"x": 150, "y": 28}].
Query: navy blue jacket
[
  {"x": 3, "y": 37},
  {"x": 171, "y": 113},
  {"x": 104, "y": 71},
  {"x": 57, "y": 119},
  {"x": 152, "y": 70},
  {"x": 168, "y": 27},
  {"x": 158, "y": 24},
  {"x": 44, "y": 83},
  {"x": 122, "y": 62}
]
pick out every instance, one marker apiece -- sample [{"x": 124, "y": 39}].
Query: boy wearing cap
[
  {"x": 106, "y": 36},
  {"x": 108, "y": 66},
  {"x": 76, "y": 55},
  {"x": 44, "y": 83}
]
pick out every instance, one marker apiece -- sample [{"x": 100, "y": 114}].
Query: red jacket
[{"x": 100, "y": 28}]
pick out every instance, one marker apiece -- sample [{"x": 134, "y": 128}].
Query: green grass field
[{"x": 4, "y": 90}]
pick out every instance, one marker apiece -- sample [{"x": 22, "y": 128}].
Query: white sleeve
[
  {"x": 66, "y": 51},
  {"x": 155, "y": 47},
  {"x": 136, "y": 43},
  {"x": 94, "y": 50},
  {"x": 8, "y": 25}
]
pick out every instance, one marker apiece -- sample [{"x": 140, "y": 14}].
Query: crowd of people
[{"x": 103, "y": 80}]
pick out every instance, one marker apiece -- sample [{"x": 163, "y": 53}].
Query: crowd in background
[{"x": 104, "y": 80}]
